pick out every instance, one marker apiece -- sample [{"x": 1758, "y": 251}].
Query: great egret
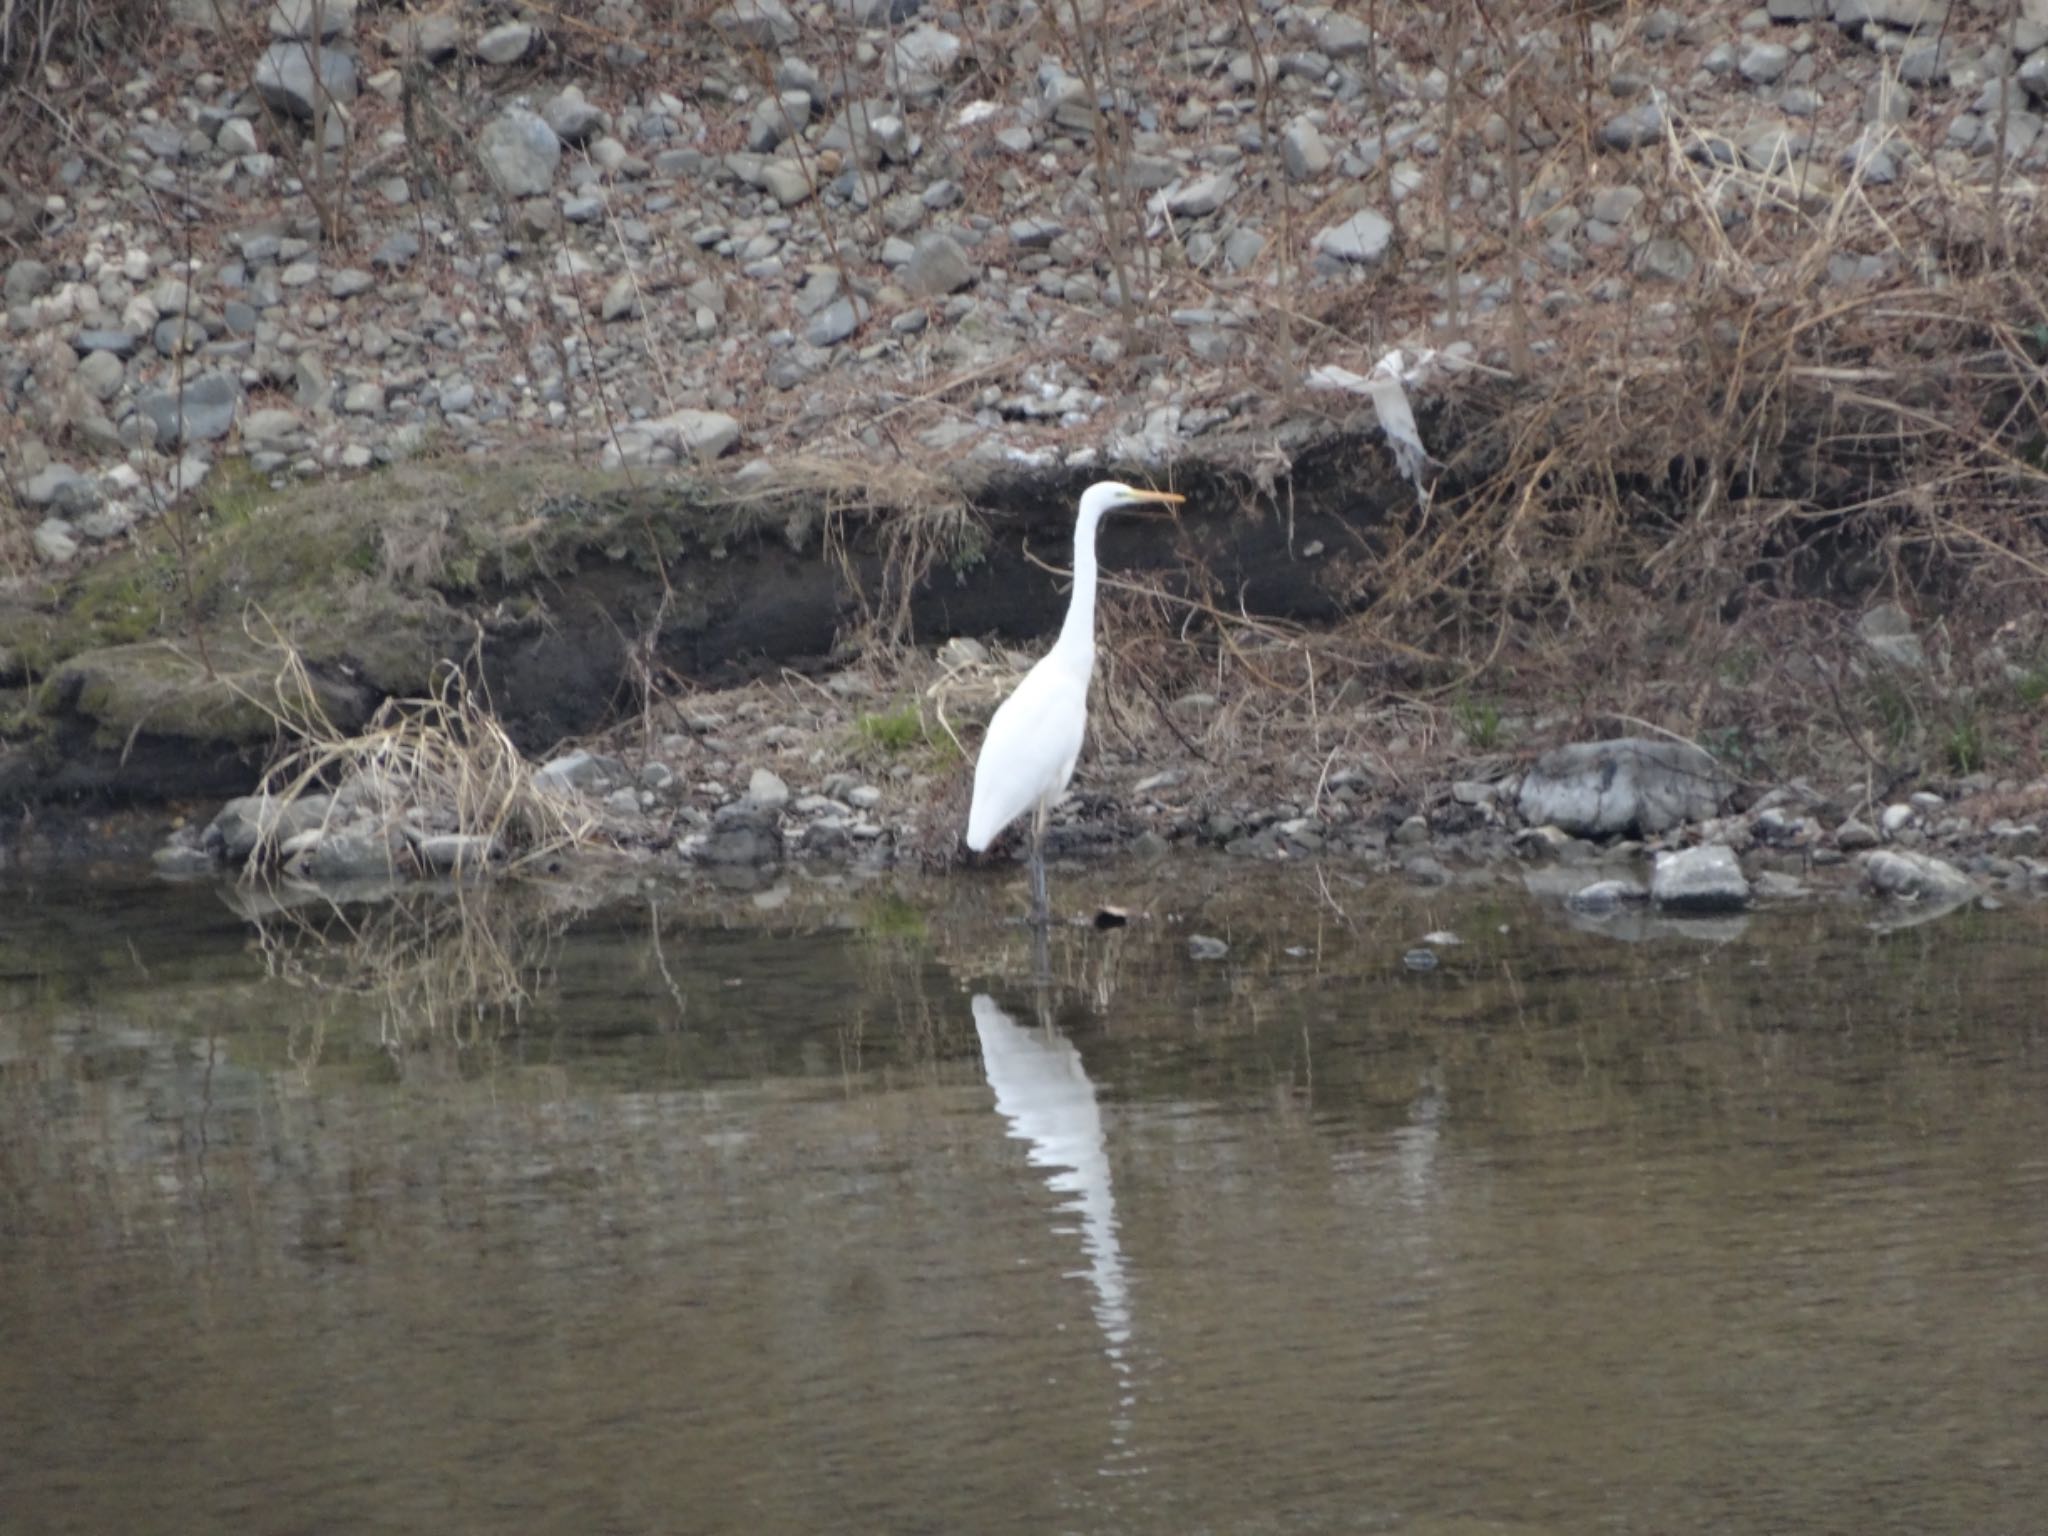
[{"x": 1028, "y": 755}]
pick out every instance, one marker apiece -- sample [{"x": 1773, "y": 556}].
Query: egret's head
[{"x": 1107, "y": 495}]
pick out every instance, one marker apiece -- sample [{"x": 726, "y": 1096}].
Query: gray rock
[
  {"x": 285, "y": 79},
  {"x": 55, "y": 541},
  {"x": 182, "y": 861},
  {"x": 1666, "y": 259},
  {"x": 621, "y": 299},
  {"x": 1604, "y": 896},
  {"x": 101, "y": 375},
  {"x": 764, "y": 23},
  {"x": 349, "y": 282},
  {"x": 879, "y": 13},
  {"x": 520, "y": 152},
  {"x": 120, "y": 343},
  {"x": 237, "y": 136},
  {"x": 785, "y": 181},
  {"x": 1597, "y": 789},
  {"x": 573, "y": 771},
  {"x": 433, "y": 37},
  {"x": 507, "y": 43},
  {"x": 269, "y": 426},
  {"x": 295, "y": 20},
  {"x": 1704, "y": 879},
  {"x": 923, "y": 57},
  {"x": 1202, "y": 946},
  {"x": 396, "y": 251},
  {"x": 458, "y": 853},
  {"x": 775, "y": 118},
  {"x": 1853, "y": 836},
  {"x": 1201, "y": 197},
  {"x": 52, "y": 486},
  {"x": 743, "y": 833},
  {"x": 938, "y": 265},
  {"x": 206, "y": 411},
  {"x": 1639, "y": 125},
  {"x": 686, "y": 435},
  {"x": 1795, "y": 10},
  {"x": 573, "y": 119},
  {"x": 343, "y": 854},
  {"x": 1887, "y": 632},
  {"x": 1341, "y": 36},
  {"x": 1765, "y": 63},
  {"x": 28, "y": 279},
  {"x": 363, "y": 398},
  {"x": 245, "y": 822},
  {"x": 1362, "y": 238},
  {"x": 835, "y": 322},
  {"x": 1616, "y": 205},
  {"x": 766, "y": 789},
  {"x": 1910, "y": 876},
  {"x": 1304, "y": 154}
]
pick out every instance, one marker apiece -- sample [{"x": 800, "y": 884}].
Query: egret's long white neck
[{"x": 1077, "y": 635}]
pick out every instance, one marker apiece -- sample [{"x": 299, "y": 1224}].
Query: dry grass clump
[{"x": 437, "y": 766}]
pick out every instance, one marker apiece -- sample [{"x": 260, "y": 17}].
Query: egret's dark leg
[{"x": 1041, "y": 909}]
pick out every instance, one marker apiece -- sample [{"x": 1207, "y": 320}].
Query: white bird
[{"x": 1027, "y": 757}]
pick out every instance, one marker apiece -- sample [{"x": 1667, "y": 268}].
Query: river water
[{"x": 810, "y": 1209}]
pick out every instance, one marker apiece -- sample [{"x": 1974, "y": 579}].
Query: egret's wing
[{"x": 1029, "y": 751}]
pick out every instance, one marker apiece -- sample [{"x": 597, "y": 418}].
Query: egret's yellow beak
[{"x": 1167, "y": 499}]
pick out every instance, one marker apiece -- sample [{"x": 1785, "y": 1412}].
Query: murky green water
[{"x": 804, "y": 1211}]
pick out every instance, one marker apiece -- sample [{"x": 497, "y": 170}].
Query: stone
[
  {"x": 120, "y": 343},
  {"x": 1639, "y": 125},
  {"x": 55, "y": 541},
  {"x": 28, "y": 279},
  {"x": 1363, "y": 238},
  {"x": 248, "y": 821},
  {"x": 1616, "y": 205},
  {"x": 775, "y": 118},
  {"x": 938, "y": 265},
  {"x": 1887, "y": 632},
  {"x": 743, "y": 833},
  {"x": 1666, "y": 259},
  {"x": 687, "y": 434},
  {"x": 457, "y": 853},
  {"x": 342, "y": 854},
  {"x": 396, "y": 251},
  {"x": 349, "y": 282},
  {"x": 285, "y": 77},
  {"x": 1202, "y": 946},
  {"x": 296, "y": 20},
  {"x": 879, "y": 13},
  {"x": 1605, "y": 896},
  {"x": 835, "y": 322},
  {"x": 101, "y": 375},
  {"x": 237, "y": 136},
  {"x": 621, "y": 300},
  {"x": 1341, "y": 36},
  {"x": 924, "y": 55},
  {"x": 507, "y": 43},
  {"x": 764, "y": 23},
  {"x": 434, "y": 37},
  {"x": 363, "y": 398},
  {"x": 269, "y": 426},
  {"x": 520, "y": 152},
  {"x": 1703, "y": 879},
  {"x": 785, "y": 181},
  {"x": 1765, "y": 63},
  {"x": 205, "y": 412},
  {"x": 766, "y": 789},
  {"x": 1201, "y": 197},
  {"x": 1909, "y": 876},
  {"x": 1632, "y": 783},
  {"x": 1795, "y": 10},
  {"x": 1304, "y": 153},
  {"x": 60, "y": 486},
  {"x": 572, "y": 772},
  {"x": 573, "y": 119},
  {"x": 1853, "y": 836}
]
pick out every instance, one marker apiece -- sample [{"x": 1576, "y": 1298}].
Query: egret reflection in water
[{"x": 1044, "y": 1092}]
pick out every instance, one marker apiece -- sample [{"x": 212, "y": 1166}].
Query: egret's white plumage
[{"x": 1028, "y": 756}]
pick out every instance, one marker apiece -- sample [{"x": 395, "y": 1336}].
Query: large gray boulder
[
  {"x": 1631, "y": 784},
  {"x": 1909, "y": 876}
]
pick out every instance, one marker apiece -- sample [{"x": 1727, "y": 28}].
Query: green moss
[{"x": 1479, "y": 719}]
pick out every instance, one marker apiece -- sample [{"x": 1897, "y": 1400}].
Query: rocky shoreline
[{"x": 880, "y": 230}]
